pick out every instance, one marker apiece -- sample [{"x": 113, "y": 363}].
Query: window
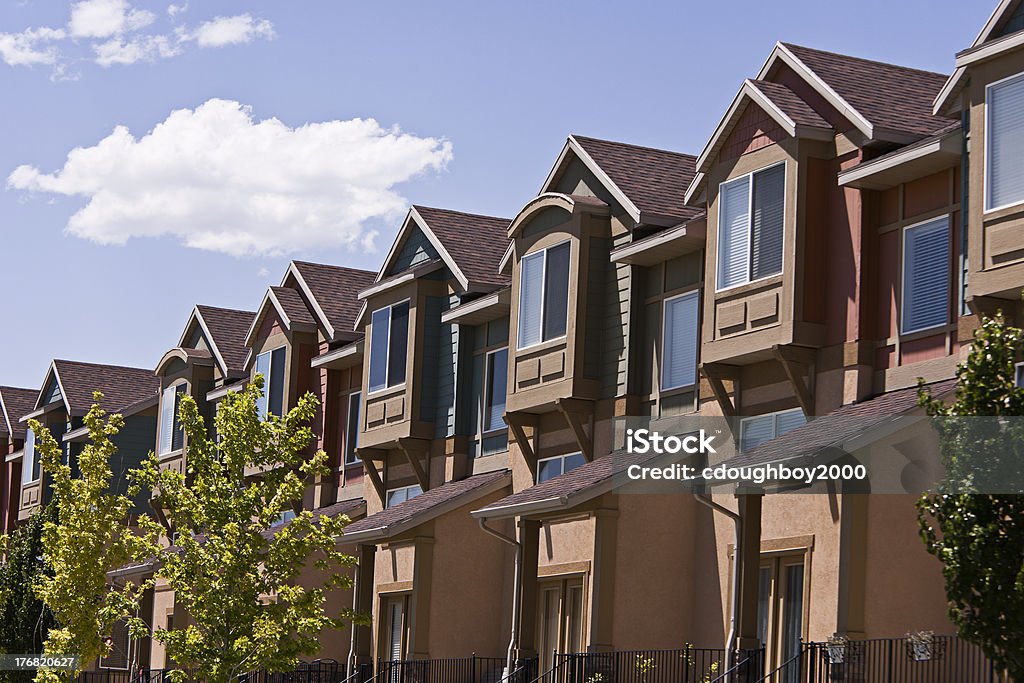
[
  {"x": 270, "y": 364},
  {"x": 679, "y": 341},
  {"x": 31, "y": 469},
  {"x": 389, "y": 337},
  {"x": 400, "y": 495},
  {"x": 751, "y": 215},
  {"x": 543, "y": 295},
  {"x": 285, "y": 516},
  {"x": 120, "y": 647},
  {"x": 1004, "y": 143},
  {"x": 352, "y": 429},
  {"x": 549, "y": 468},
  {"x": 925, "y": 276},
  {"x": 1018, "y": 375},
  {"x": 172, "y": 436},
  {"x": 756, "y": 430},
  {"x": 497, "y": 390}
]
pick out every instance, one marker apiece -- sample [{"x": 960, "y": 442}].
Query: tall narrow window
[
  {"x": 270, "y": 364},
  {"x": 31, "y": 470},
  {"x": 544, "y": 295},
  {"x": 389, "y": 340},
  {"x": 352, "y": 429},
  {"x": 679, "y": 342},
  {"x": 497, "y": 385},
  {"x": 1004, "y": 143},
  {"x": 925, "y": 276},
  {"x": 172, "y": 436},
  {"x": 751, "y": 219}
]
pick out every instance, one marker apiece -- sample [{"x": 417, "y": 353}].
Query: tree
[
  {"x": 90, "y": 537},
  {"x": 232, "y": 566},
  {"x": 24, "y": 619},
  {"x": 976, "y": 531}
]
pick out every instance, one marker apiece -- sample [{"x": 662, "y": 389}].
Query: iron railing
[
  {"x": 319, "y": 671},
  {"x": 682, "y": 665},
  {"x": 471, "y": 669}
]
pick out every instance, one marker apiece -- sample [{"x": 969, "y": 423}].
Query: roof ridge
[
  {"x": 865, "y": 59},
  {"x": 334, "y": 266},
  {"x": 461, "y": 213},
  {"x": 100, "y": 365},
  {"x": 223, "y": 308},
  {"x": 577, "y": 136}
]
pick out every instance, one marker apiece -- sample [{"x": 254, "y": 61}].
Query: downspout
[
  {"x": 517, "y": 589},
  {"x": 351, "y": 661},
  {"x": 737, "y": 561}
]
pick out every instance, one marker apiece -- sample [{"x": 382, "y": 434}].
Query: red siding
[{"x": 754, "y": 130}]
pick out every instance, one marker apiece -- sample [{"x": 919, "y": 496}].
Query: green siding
[
  {"x": 415, "y": 249},
  {"x": 1014, "y": 23}
]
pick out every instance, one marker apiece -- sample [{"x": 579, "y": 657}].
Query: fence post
[{"x": 890, "y": 659}]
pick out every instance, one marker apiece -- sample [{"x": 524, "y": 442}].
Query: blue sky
[{"x": 472, "y": 102}]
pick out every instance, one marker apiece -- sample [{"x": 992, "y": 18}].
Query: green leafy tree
[
  {"x": 232, "y": 567},
  {"x": 24, "y": 619},
  {"x": 979, "y": 536},
  {"x": 90, "y": 537}
]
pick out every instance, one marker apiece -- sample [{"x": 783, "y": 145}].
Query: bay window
[
  {"x": 544, "y": 295},
  {"x": 751, "y": 218},
  {"x": 389, "y": 344}
]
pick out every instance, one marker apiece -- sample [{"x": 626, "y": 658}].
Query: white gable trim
[
  {"x": 294, "y": 270},
  {"x": 52, "y": 371},
  {"x": 268, "y": 298},
  {"x": 414, "y": 218},
  {"x": 198, "y": 317},
  {"x": 7, "y": 419},
  {"x": 593, "y": 167}
]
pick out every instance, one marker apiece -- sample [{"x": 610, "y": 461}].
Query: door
[
  {"x": 781, "y": 605},
  {"x": 561, "y": 619}
]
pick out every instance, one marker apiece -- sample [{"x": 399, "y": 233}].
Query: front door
[
  {"x": 781, "y": 614},
  {"x": 561, "y": 619},
  {"x": 394, "y": 623}
]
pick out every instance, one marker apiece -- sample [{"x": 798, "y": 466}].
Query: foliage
[
  {"x": 90, "y": 537},
  {"x": 979, "y": 537},
  {"x": 24, "y": 619},
  {"x": 233, "y": 569}
]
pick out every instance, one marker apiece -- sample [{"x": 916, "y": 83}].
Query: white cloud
[
  {"x": 217, "y": 179},
  {"x": 235, "y": 30},
  {"x": 175, "y": 10},
  {"x": 30, "y": 47},
  {"x": 118, "y": 51},
  {"x": 106, "y": 18}
]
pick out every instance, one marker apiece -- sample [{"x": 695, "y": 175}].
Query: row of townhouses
[{"x": 836, "y": 239}]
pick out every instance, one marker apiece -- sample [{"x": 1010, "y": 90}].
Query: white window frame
[
  {"x": 903, "y": 273},
  {"x": 563, "y": 458},
  {"x": 387, "y": 494},
  {"x": 28, "y": 458},
  {"x": 664, "y": 355},
  {"x": 358, "y": 395},
  {"x": 543, "y": 298},
  {"x": 485, "y": 409},
  {"x": 270, "y": 374},
  {"x": 775, "y": 423},
  {"x": 988, "y": 139},
  {"x": 387, "y": 367},
  {"x": 749, "y": 176},
  {"x": 174, "y": 417}
]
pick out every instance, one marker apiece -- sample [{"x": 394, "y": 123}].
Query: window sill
[
  {"x": 749, "y": 287},
  {"x": 1002, "y": 212},
  {"x": 386, "y": 391},
  {"x": 542, "y": 347},
  {"x": 171, "y": 454}
]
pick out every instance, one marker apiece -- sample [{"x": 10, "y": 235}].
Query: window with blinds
[
  {"x": 1004, "y": 143},
  {"x": 679, "y": 341},
  {"x": 756, "y": 430},
  {"x": 497, "y": 390},
  {"x": 172, "y": 437},
  {"x": 751, "y": 217},
  {"x": 389, "y": 345},
  {"x": 926, "y": 276},
  {"x": 30, "y": 467},
  {"x": 270, "y": 364},
  {"x": 543, "y": 295}
]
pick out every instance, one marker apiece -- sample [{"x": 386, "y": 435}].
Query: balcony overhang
[
  {"x": 347, "y": 356},
  {"x": 481, "y": 310},
  {"x": 684, "y": 238},
  {"x": 915, "y": 161}
]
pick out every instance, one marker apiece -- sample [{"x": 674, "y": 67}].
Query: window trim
[
  {"x": 775, "y": 425},
  {"x": 903, "y": 273},
  {"x": 987, "y": 170},
  {"x": 388, "y": 492},
  {"x": 387, "y": 367},
  {"x": 750, "y": 213},
  {"x": 543, "y": 299},
  {"x": 662, "y": 388},
  {"x": 358, "y": 395}
]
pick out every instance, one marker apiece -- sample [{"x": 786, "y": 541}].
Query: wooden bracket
[
  {"x": 516, "y": 423},
  {"x": 715, "y": 373},
  {"x": 793, "y": 360},
  {"x": 576, "y": 413},
  {"x": 368, "y": 456},
  {"x": 412, "y": 448}
]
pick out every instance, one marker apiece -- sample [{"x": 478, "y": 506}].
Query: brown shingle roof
[
  {"x": 228, "y": 328},
  {"x": 890, "y": 96},
  {"x": 839, "y": 426},
  {"x": 559, "y": 489},
  {"x": 345, "y": 507},
  {"x": 293, "y": 305},
  {"x": 121, "y": 386},
  {"x": 655, "y": 180},
  {"x": 335, "y": 289},
  {"x": 476, "y": 242},
  {"x": 791, "y": 104},
  {"x": 427, "y": 505},
  {"x": 16, "y": 404}
]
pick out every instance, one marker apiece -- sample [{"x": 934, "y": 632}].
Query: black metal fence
[
  {"x": 319, "y": 671},
  {"x": 456, "y": 670},
  {"x": 682, "y": 665}
]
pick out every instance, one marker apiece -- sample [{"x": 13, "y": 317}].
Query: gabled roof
[
  {"x": 290, "y": 309},
  {"x": 471, "y": 245},
  {"x": 644, "y": 180},
  {"x": 224, "y": 329},
  {"x": 15, "y": 403},
  {"x": 121, "y": 386},
  {"x": 426, "y": 506},
  {"x": 332, "y": 292}
]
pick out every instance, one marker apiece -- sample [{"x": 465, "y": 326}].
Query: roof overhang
[
  {"x": 39, "y": 412},
  {"x": 15, "y": 456},
  {"x": 903, "y": 165},
  {"x": 683, "y": 239},
  {"x": 387, "y": 531},
  {"x": 946, "y": 102},
  {"x": 347, "y": 356},
  {"x": 571, "y": 145},
  {"x": 479, "y": 311},
  {"x": 222, "y": 391},
  {"x": 554, "y": 504},
  {"x": 573, "y": 204}
]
